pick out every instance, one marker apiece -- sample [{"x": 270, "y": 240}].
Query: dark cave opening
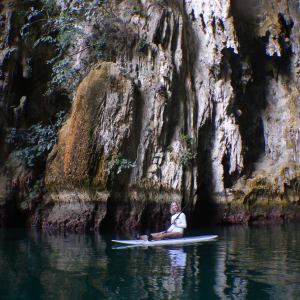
[
  {"x": 11, "y": 216},
  {"x": 18, "y": 90}
]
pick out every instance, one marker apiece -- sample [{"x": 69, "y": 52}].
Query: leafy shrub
[
  {"x": 169, "y": 148},
  {"x": 50, "y": 7},
  {"x": 187, "y": 156},
  {"x": 188, "y": 141},
  {"x": 33, "y": 144},
  {"x": 189, "y": 153},
  {"x": 121, "y": 163}
]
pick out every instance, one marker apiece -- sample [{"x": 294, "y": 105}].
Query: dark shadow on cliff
[
  {"x": 252, "y": 70},
  {"x": 205, "y": 210}
]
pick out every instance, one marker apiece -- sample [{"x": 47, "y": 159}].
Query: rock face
[{"x": 198, "y": 96}]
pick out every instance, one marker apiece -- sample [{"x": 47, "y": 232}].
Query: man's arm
[{"x": 181, "y": 221}]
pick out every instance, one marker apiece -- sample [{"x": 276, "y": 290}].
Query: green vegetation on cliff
[{"x": 33, "y": 144}]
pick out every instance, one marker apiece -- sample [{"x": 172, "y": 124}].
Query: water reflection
[
  {"x": 264, "y": 259},
  {"x": 173, "y": 281},
  {"x": 244, "y": 263},
  {"x": 177, "y": 258}
]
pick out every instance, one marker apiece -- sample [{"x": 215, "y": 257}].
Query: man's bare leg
[
  {"x": 155, "y": 236},
  {"x": 162, "y": 235},
  {"x": 166, "y": 235}
]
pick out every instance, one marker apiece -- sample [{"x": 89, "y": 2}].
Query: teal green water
[{"x": 244, "y": 263}]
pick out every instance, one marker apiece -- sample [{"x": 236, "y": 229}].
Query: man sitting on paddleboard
[{"x": 178, "y": 224}]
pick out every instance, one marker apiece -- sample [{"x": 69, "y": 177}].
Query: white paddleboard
[{"x": 181, "y": 241}]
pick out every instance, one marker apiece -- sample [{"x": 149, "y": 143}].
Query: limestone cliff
[{"x": 186, "y": 96}]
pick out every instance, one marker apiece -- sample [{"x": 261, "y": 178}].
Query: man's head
[{"x": 174, "y": 208}]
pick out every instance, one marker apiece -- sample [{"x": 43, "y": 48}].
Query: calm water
[{"x": 244, "y": 263}]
